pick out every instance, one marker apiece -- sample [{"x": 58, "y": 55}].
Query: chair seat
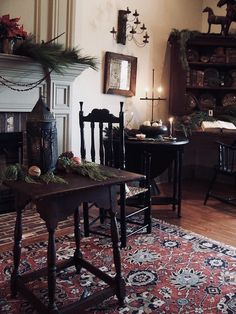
[
  {"x": 132, "y": 191},
  {"x": 230, "y": 171}
]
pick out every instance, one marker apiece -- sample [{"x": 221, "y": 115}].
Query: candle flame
[{"x": 159, "y": 90}]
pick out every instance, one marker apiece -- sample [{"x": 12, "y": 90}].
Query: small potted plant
[{"x": 10, "y": 32}]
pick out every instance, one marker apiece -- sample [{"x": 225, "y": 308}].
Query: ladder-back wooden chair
[
  {"x": 226, "y": 167},
  {"x": 107, "y": 147}
]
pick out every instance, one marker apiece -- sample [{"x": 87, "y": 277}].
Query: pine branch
[
  {"x": 91, "y": 170},
  {"x": 52, "y": 55},
  {"x": 85, "y": 168},
  {"x": 51, "y": 177}
]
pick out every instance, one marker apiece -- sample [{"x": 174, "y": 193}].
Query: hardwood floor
[{"x": 216, "y": 220}]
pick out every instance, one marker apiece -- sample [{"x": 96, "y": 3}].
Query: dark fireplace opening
[
  {"x": 12, "y": 143},
  {"x": 11, "y": 152}
]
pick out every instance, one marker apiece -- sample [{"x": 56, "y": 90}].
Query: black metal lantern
[{"x": 41, "y": 138}]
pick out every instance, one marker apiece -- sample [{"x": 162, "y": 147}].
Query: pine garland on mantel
[{"x": 52, "y": 55}]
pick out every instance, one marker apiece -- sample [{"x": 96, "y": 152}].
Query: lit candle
[
  {"x": 159, "y": 91},
  {"x": 171, "y": 119},
  {"x": 146, "y": 91}
]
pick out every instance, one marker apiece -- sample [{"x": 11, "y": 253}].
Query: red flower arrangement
[{"x": 9, "y": 28}]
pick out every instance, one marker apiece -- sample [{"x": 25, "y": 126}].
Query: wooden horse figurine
[
  {"x": 214, "y": 19},
  {"x": 230, "y": 13}
]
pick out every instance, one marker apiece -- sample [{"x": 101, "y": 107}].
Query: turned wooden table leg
[
  {"x": 175, "y": 181},
  {"x": 123, "y": 227},
  {"x": 179, "y": 182},
  {"x": 51, "y": 270},
  {"x": 16, "y": 252},
  {"x": 78, "y": 253},
  {"x": 120, "y": 282}
]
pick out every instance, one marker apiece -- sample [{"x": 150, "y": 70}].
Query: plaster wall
[
  {"x": 217, "y": 11},
  {"x": 91, "y": 32},
  {"x": 44, "y": 19},
  {"x": 95, "y": 19},
  {"x": 27, "y": 11}
]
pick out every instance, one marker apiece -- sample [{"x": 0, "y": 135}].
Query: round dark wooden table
[{"x": 165, "y": 154}]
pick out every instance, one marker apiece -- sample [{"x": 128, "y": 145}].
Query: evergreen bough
[{"x": 52, "y": 55}]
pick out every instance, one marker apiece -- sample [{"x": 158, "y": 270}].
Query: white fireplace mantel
[
  {"x": 23, "y": 70},
  {"x": 19, "y": 69}
]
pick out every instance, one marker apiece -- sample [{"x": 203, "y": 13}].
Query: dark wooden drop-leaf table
[
  {"x": 55, "y": 202},
  {"x": 164, "y": 153}
]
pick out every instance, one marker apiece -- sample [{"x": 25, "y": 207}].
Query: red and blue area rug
[{"x": 169, "y": 271}]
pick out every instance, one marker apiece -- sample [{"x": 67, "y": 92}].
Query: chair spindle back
[
  {"x": 106, "y": 123},
  {"x": 227, "y": 157}
]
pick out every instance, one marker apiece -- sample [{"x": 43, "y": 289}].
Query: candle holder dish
[{"x": 153, "y": 131}]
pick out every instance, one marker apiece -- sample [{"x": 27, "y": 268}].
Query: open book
[{"x": 217, "y": 125}]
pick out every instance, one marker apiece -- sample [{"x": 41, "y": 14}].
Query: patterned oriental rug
[{"x": 170, "y": 271}]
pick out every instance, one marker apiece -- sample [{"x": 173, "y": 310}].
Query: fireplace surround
[
  {"x": 11, "y": 152},
  {"x": 15, "y": 72}
]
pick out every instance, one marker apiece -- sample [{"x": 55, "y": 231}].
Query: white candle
[
  {"x": 159, "y": 91},
  {"x": 146, "y": 91},
  {"x": 171, "y": 119}
]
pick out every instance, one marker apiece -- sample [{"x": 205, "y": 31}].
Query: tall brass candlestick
[{"x": 153, "y": 98}]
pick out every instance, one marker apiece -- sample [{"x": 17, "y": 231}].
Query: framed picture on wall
[{"x": 120, "y": 74}]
